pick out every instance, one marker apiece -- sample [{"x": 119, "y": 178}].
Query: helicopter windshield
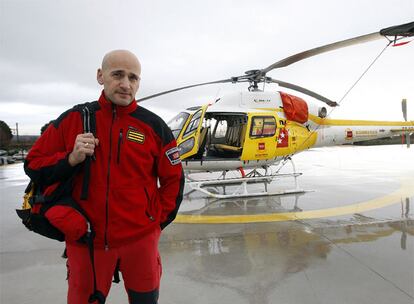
[{"x": 177, "y": 123}]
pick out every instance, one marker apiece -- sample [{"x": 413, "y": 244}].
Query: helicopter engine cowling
[{"x": 317, "y": 110}]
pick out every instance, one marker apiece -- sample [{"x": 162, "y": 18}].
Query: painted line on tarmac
[{"x": 406, "y": 190}]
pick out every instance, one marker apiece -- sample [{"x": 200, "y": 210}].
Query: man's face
[{"x": 120, "y": 76}]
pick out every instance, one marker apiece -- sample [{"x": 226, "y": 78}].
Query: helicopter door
[
  {"x": 190, "y": 138},
  {"x": 260, "y": 142}
]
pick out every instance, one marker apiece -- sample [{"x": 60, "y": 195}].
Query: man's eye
[
  {"x": 117, "y": 75},
  {"x": 133, "y": 78}
]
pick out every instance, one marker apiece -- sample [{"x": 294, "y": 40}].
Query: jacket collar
[{"x": 109, "y": 106}]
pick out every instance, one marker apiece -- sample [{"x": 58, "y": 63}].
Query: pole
[{"x": 18, "y": 140}]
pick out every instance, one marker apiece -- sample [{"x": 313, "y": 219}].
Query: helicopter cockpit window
[
  {"x": 177, "y": 123},
  {"x": 193, "y": 124},
  {"x": 263, "y": 127}
]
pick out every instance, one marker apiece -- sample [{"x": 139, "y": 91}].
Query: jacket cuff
[{"x": 64, "y": 168}]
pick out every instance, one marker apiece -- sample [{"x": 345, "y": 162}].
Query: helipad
[{"x": 349, "y": 240}]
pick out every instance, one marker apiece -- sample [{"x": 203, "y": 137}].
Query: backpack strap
[
  {"x": 89, "y": 126},
  {"x": 96, "y": 295}
]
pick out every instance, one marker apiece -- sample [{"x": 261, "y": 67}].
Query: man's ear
[{"x": 99, "y": 76}]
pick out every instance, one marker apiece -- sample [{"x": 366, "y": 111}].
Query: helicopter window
[
  {"x": 193, "y": 124},
  {"x": 263, "y": 126},
  {"x": 177, "y": 123}
]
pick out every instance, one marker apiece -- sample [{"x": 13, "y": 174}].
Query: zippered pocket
[
  {"x": 148, "y": 210},
  {"x": 118, "y": 156}
]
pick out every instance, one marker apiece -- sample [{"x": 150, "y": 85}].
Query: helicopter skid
[{"x": 207, "y": 186}]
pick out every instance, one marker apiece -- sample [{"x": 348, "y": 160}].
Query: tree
[{"x": 5, "y": 135}]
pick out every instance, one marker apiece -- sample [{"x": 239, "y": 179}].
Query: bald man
[{"x": 134, "y": 187}]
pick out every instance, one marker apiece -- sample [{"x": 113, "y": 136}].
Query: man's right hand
[{"x": 84, "y": 146}]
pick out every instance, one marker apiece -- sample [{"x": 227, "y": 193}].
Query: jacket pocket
[
  {"x": 150, "y": 208},
  {"x": 120, "y": 140}
]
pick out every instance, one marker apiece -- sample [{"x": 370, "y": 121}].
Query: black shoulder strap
[
  {"x": 88, "y": 119},
  {"x": 89, "y": 126}
]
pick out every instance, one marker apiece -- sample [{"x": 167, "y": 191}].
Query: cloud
[
  {"x": 50, "y": 49},
  {"x": 34, "y": 104},
  {"x": 30, "y": 117},
  {"x": 54, "y": 93}
]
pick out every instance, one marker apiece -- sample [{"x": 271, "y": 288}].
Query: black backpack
[{"x": 35, "y": 204}]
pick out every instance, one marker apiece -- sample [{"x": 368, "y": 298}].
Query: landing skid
[{"x": 210, "y": 187}]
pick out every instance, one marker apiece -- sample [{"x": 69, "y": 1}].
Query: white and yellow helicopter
[{"x": 254, "y": 130}]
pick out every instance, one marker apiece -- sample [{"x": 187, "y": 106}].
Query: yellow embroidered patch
[{"x": 135, "y": 136}]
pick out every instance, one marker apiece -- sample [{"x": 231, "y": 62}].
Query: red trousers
[{"x": 139, "y": 263}]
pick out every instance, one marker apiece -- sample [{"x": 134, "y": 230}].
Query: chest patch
[
  {"x": 173, "y": 156},
  {"x": 135, "y": 136}
]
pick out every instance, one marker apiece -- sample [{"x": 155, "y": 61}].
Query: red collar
[{"x": 108, "y": 105}]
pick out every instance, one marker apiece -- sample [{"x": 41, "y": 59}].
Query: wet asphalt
[{"x": 323, "y": 253}]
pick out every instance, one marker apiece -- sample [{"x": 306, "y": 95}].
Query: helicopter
[{"x": 254, "y": 129}]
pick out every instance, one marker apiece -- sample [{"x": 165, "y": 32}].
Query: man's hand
[{"x": 84, "y": 146}]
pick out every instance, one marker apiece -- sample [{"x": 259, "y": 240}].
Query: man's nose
[{"x": 125, "y": 83}]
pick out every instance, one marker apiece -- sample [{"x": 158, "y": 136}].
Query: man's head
[{"x": 120, "y": 76}]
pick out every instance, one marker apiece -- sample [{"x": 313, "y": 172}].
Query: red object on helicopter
[{"x": 295, "y": 108}]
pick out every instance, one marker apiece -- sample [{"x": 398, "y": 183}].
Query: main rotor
[{"x": 255, "y": 77}]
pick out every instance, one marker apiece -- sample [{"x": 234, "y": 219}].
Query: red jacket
[{"x": 136, "y": 149}]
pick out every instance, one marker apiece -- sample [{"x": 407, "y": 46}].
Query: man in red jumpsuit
[{"x": 135, "y": 187}]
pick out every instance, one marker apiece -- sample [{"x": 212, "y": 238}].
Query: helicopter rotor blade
[
  {"x": 304, "y": 91},
  {"x": 319, "y": 50},
  {"x": 404, "y": 30},
  {"x": 256, "y": 76},
  {"x": 187, "y": 87}
]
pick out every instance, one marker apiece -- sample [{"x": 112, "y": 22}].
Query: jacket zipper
[
  {"x": 148, "y": 205},
  {"x": 108, "y": 178},
  {"x": 119, "y": 146}
]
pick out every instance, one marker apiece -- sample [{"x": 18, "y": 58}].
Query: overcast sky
[{"x": 50, "y": 50}]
